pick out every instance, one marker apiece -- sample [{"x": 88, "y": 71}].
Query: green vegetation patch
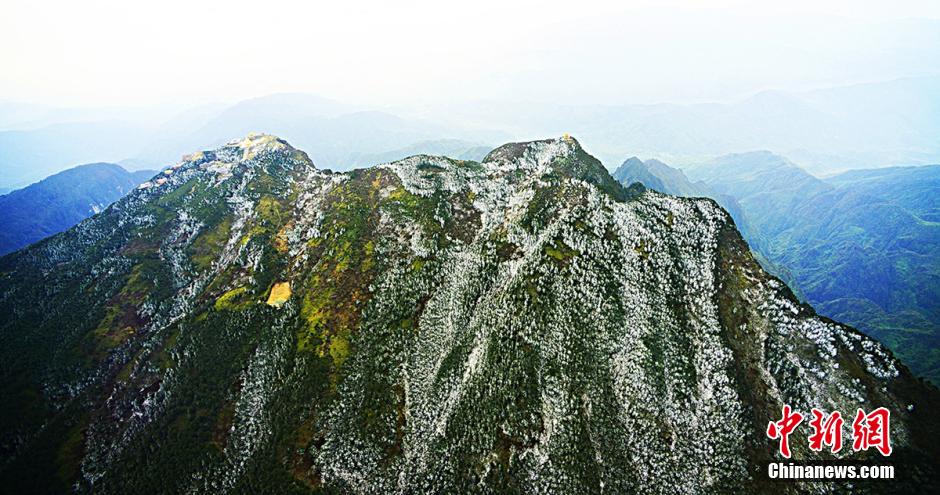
[
  {"x": 337, "y": 289},
  {"x": 424, "y": 211},
  {"x": 121, "y": 319},
  {"x": 209, "y": 244},
  {"x": 559, "y": 251},
  {"x": 236, "y": 299},
  {"x": 70, "y": 452}
]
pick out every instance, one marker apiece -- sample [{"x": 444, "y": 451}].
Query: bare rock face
[{"x": 524, "y": 324}]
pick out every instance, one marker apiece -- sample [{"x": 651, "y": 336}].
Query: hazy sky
[{"x": 98, "y": 52}]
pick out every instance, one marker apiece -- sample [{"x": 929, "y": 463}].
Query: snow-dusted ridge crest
[{"x": 246, "y": 322}]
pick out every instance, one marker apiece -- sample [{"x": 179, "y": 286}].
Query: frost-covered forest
[{"x": 248, "y": 322}]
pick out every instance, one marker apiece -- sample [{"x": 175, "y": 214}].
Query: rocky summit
[{"x": 245, "y": 322}]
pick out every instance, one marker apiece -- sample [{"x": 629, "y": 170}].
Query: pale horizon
[{"x": 181, "y": 54}]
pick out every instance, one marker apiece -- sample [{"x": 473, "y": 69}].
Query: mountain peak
[
  {"x": 628, "y": 165},
  {"x": 235, "y": 158},
  {"x": 632, "y": 161},
  {"x": 257, "y": 142},
  {"x": 562, "y": 157},
  {"x": 535, "y": 154}
]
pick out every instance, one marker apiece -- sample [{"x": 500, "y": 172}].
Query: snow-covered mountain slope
[{"x": 523, "y": 324}]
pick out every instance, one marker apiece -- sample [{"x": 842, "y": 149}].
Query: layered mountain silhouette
[{"x": 865, "y": 125}]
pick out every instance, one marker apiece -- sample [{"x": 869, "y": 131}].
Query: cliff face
[{"x": 429, "y": 325}]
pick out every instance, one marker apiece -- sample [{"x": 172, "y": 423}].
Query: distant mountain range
[
  {"x": 58, "y": 202},
  {"x": 333, "y": 133},
  {"x": 338, "y": 136},
  {"x": 27, "y": 156},
  {"x": 861, "y": 126},
  {"x": 861, "y": 246}
]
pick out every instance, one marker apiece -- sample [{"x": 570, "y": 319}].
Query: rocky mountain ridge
[{"x": 526, "y": 323}]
